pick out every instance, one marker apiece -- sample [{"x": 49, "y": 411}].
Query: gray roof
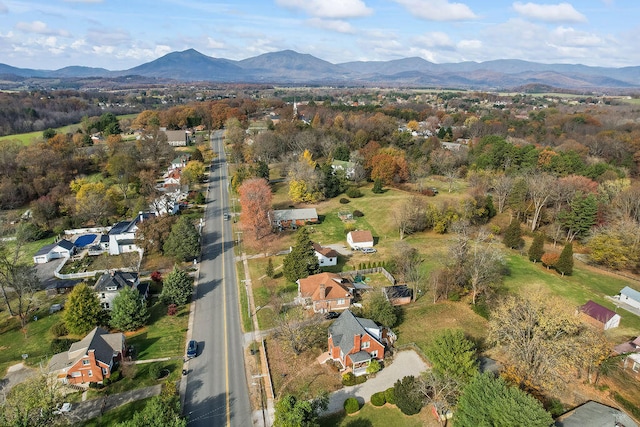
[
  {"x": 630, "y": 293},
  {"x": 346, "y": 326},
  {"x": 360, "y": 356},
  {"x": 398, "y": 291},
  {"x": 295, "y": 214},
  {"x": 119, "y": 279},
  {"x": 594, "y": 414},
  {"x": 102, "y": 342},
  {"x": 45, "y": 249}
]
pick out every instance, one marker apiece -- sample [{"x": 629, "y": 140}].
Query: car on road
[
  {"x": 369, "y": 250},
  {"x": 66, "y": 407},
  {"x": 192, "y": 349},
  {"x": 331, "y": 315},
  {"x": 226, "y": 216}
]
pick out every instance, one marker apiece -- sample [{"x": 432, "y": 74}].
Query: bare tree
[
  {"x": 484, "y": 265},
  {"x": 411, "y": 216},
  {"x": 299, "y": 333},
  {"x": 440, "y": 391},
  {"x": 542, "y": 189},
  {"x": 502, "y": 186},
  {"x": 409, "y": 265}
]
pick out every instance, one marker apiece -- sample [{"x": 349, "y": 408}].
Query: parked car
[
  {"x": 66, "y": 407},
  {"x": 226, "y": 216},
  {"x": 331, "y": 315},
  {"x": 369, "y": 250},
  {"x": 192, "y": 349}
]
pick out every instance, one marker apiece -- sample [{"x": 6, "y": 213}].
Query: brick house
[
  {"x": 90, "y": 360},
  {"x": 324, "y": 292},
  {"x": 355, "y": 342},
  {"x": 293, "y": 218}
]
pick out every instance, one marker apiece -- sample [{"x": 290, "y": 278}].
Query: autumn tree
[
  {"x": 502, "y": 186},
  {"x": 82, "y": 310},
  {"x": 92, "y": 202},
  {"x": 539, "y": 336},
  {"x": 390, "y": 166},
  {"x": 299, "y": 333},
  {"x": 616, "y": 245},
  {"x": 192, "y": 173},
  {"x": 255, "y": 201},
  {"x": 123, "y": 168},
  {"x": 490, "y": 401},
  {"x": 301, "y": 261},
  {"x": 536, "y": 250},
  {"x": 565, "y": 261},
  {"x": 153, "y": 232},
  {"x": 513, "y": 235},
  {"x": 32, "y": 403},
  {"x": 184, "y": 241},
  {"x": 542, "y": 189},
  {"x": 549, "y": 259},
  {"x": 440, "y": 391}
]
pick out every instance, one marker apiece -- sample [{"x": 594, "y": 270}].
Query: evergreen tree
[
  {"x": 377, "y": 186},
  {"x": 513, "y": 235},
  {"x": 378, "y": 308},
  {"x": 269, "y": 270},
  {"x": 183, "y": 241},
  {"x": 409, "y": 399},
  {"x": 453, "y": 355},
  {"x": 536, "y": 250},
  {"x": 565, "y": 262},
  {"x": 129, "y": 310},
  {"x": 262, "y": 170},
  {"x": 489, "y": 401},
  {"x": 176, "y": 288},
  {"x": 82, "y": 311},
  {"x": 301, "y": 261}
]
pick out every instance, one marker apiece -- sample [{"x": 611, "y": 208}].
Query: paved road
[{"x": 216, "y": 391}]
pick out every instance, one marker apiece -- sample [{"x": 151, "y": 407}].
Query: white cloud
[
  {"x": 435, "y": 39},
  {"x": 465, "y": 45},
  {"x": 438, "y": 10},
  {"x": 561, "y": 12},
  {"x": 39, "y": 27},
  {"x": 333, "y": 9},
  {"x": 571, "y": 37},
  {"x": 337, "y": 25},
  {"x": 214, "y": 44}
]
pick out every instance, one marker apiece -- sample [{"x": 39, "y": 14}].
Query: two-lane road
[{"x": 216, "y": 392}]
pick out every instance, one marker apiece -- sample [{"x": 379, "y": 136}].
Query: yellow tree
[
  {"x": 92, "y": 202},
  {"x": 193, "y": 172},
  {"x": 413, "y": 125}
]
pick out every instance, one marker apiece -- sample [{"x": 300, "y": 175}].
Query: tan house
[
  {"x": 90, "y": 360},
  {"x": 324, "y": 292}
]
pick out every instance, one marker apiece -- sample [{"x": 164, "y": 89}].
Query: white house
[
  {"x": 349, "y": 168},
  {"x": 360, "y": 239},
  {"x": 109, "y": 285},
  {"x": 60, "y": 249},
  {"x": 633, "y": 361},
  {"x": 122, "y": 235},
  {"x": 326, "y": 256},
  {"x": 630, "y": 296}
]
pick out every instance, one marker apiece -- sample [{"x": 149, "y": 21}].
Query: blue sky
[{"x": 118, "y": 34}]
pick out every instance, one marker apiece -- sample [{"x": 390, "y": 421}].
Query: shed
[
  {"x": 398, "y": 294},
  {"x": 630, "y": 296},
  {"x": 602, "y": 315}
]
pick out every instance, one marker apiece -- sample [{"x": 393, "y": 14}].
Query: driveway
[
  {"x": 405, "y": 363},
  {"x": 15, "y": 375}
]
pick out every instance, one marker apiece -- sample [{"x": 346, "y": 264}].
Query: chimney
[
  {"x": 356, "y": 343},
  {"x": 323, "y": 291}
]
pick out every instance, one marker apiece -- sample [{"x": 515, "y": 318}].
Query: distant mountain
[{"x": 289, "y": 67}]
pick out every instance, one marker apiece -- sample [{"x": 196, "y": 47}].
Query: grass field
[
  {"x": 383, "y": 416},
  {"x": 114, "y": 416}
]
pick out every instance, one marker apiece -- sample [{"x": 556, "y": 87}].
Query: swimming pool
[{"x": 85, "y": 240}]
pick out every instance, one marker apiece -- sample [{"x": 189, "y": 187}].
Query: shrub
[
  {"x": 348, "y": 379},
  {"x": 115, "y": 376},
  {"x": 156, "y": 276},
  {"x": 454, "y": 296},
  {"x": 154, "y": 371},
  {"x": 549, "y": 259},
  {"x": 349, "y": 227},
  {"x": 351, "y": 405},
  {"x": 353, "y": 192},
  {"x": 60, "y": 345},
  {"x": 390, "y": 395},
  {"x": 378, "y": 399},
  {"x": 358, "y": 214},
  {"x": 554, "y": 407},
  {"x": 200, "y": 199},
  {"x": 377, "y": 187},
  {"x": 408, "y": 397},
  {"x": 58, "y": 329},
  {"x": 361, "y": 379},
  {"x": 374, "y": 367},
  {"x": 172, "y": 310},
  {"x": 344, "y": 201}
]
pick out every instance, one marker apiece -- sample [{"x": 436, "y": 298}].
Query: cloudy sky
[{"x": 120, "y": 34}]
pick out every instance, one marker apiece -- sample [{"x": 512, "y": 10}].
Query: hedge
[
  {"x": 390, "y": 395},
  {"x": 378, "y": 399},
  {"x": 351, "y": 405}
]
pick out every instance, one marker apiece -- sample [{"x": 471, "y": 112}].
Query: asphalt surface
[{"x": 217, "y": 392}]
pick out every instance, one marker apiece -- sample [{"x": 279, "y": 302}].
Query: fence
[
  {"x": 87, "y": 230},
  {"x": 268, "y": 370},
  {"x": 382, "y": 270}
]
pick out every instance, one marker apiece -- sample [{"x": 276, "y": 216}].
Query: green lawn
[
  {"x": 164, "y": 336},
  {"x": 383, "y": 416},
  {"x": 119, "y": 414}
]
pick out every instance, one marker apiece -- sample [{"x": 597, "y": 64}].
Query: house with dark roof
[
  {"x": 354, "y": 342},
  {"x": 293, "y": 218},
  {"x": 632, "y": 346},
  {"x": 324, "y": 292},
  {"x": 60, "y": 286},
  {"x": 109, "y": 285},
  {"x": 595, "y": 414},
  {"x": 326, "y": 256},
  {"x": 398, "y": 294},
  {"x": 177, "y": 138},
  {"x": 600, "y": 316},
  {"x": 359, "y": 239},
  {"x": 630, "y": 297},
  {"x": 91, "y": 359},
  {"x": 63, "y": 248},
  {"x": 122, "y": 236}
]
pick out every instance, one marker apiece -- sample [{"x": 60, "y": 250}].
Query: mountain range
[{"x": 290, "y": 67}]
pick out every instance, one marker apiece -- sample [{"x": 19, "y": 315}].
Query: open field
[
  {"x": 383, "y": 416},
  {"x": 124, "y": 412}
]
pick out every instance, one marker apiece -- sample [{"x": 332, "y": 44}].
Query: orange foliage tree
[
  {"x": 390, "y": 166},
  {"x": 255, "y": 200}
]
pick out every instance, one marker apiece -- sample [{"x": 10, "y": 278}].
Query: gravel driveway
[{"x": 405, "y": 363}]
